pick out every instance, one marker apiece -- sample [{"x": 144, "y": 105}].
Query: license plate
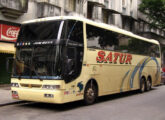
[{"x": 15, "y": 94}]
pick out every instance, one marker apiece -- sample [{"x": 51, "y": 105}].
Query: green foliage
[{"x": 155, "y": 11}]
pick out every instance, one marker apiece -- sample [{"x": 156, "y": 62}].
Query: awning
[
  {"x": 111, "y": 10},
  {"x": 95, "y": 2},
  {"x": 7, "y": 48}
]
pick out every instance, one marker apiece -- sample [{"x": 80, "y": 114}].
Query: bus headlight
[
  {"x": 51, "y": 87},
  {"x": 14, "y": 85}
]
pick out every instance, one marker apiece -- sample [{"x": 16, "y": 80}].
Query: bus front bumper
[{"x": 38, "y": 95}]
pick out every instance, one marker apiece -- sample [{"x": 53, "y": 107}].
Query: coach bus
[{"x": 64, "y": 59}]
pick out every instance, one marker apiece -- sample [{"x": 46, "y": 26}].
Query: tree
[{"x": 155, "y": 11}]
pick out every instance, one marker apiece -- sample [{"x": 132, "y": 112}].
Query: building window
[
  {"x": 95, "y": 13},
  {"x": 105, "y": 16},
  {"x": 111, "y": 3},
  {"x": 124, "y": 4},
  {"x": 111, "y": 19},
  {"x": 141, "y": 27},
  {"x": 106, "y": 3},
  {"x": 70, "y": 5},
  {"x": 90, "y": 11},
  {"x": 51, "y": 10}
]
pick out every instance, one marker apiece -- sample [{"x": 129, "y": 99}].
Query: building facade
[{"x": 120, "y": 13}]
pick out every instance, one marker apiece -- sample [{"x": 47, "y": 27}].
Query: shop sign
[{"x": 8, "y": 33}]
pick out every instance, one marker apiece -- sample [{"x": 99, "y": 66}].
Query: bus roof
[{"x": 97, "y": 24}]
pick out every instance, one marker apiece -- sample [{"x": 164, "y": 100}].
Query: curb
[
  {"x": 5, "y": 85},
  {"x": 12, "y": 103}
]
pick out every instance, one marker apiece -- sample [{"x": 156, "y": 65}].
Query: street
[{"x": 125, "y": 106}]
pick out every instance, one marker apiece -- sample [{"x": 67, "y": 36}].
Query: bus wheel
[
  {"x": 90, "y": 94},
  {"x": 142, "y": 85},
  {"x": 149, "y": 84}
]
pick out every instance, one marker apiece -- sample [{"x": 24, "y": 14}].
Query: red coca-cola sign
[{"x": 8, "y": 32}]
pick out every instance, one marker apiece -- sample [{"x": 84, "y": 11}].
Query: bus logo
[{"x": 123, "y": 58}]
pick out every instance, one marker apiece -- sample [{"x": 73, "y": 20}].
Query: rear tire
[
  {"x": 142, "y": 85},
  {"x": 90, "y": 93},
  {"x": 149, "y": 84}
]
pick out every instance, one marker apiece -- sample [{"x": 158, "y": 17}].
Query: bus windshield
[
  {"x": 42, "y": 62},
  {"x": 39, "y": 31},
  {"x": 45, "y": 50},
  {"x": 36, "y": 57}
]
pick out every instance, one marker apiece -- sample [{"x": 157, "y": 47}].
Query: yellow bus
[{"x": 63, "y": 59}]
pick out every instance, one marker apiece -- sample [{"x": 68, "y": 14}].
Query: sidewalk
[{"x": 5, "y": 96}]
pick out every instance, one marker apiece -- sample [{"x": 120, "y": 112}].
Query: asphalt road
[{"x": 125, "y": 106}]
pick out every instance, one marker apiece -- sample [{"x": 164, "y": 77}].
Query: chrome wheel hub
[{"x": 90, "y": 93}]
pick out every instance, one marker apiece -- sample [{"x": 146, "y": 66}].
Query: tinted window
[
  {"x": 39, "y": 31},
  {"x": 73, "y": 31},
  {"x": 73, "y": 35},
  {"x": 136, "y": 46},
  {"x": 41, "y": 61},
  {"x": 103, "y": 39}
]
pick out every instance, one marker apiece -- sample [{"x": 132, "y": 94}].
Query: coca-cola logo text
[
  {"x": 9, "y": 32},
  {"x": 12, "y": 32}
]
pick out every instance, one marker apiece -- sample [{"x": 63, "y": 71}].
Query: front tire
[{"x": 90, "y": 94}]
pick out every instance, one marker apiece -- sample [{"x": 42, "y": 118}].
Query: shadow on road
[
  {"x": 121, "y": 95},
  {"x": 78, "y": 104}
]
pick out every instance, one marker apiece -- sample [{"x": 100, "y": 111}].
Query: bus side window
[
  {"x": 75, "y": 49},
  {"x": 99, "y": 38},
  {"x": 71, "y": 60},
  {"x": 75, "y": 31},
  {"x": 93, "y": 36},
  {"x": 71, "y": 68},
  {"x": 109, "y": 41}
]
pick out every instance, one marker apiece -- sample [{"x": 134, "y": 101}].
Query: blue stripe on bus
[
  {"x": 133, "y": 74},
  {"x": 141, "y": 67},
  {"x": 121, "y": 88}
]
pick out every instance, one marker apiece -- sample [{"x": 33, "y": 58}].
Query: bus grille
[{"x": 31, "y": 85}]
